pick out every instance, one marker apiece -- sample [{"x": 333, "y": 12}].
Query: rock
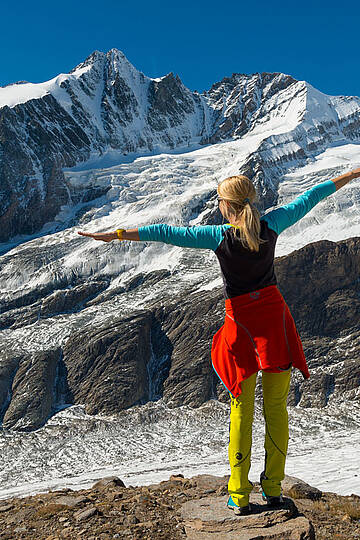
[
  {"x": 32, "y": 391},
  {"x": 182, "y": 337},
  {"x": 298, "y": 489},
  {"x": 326, "y": 273},
  {"x": 210, "y": 518},
  {"x": 130, "y": 520},
  {"x": 71, "y": 299},
  {"x": 70, "y": 501},
  {"x": 177, "y": 478},
  {"x": 82, "y": 515},
  {"x": 210, "y": 482},
  {"x": 9, "y": 364},
  {"x": 5, "y": 507},
  {"x": 109, "y": 481},
  {"x": 149, "y": 279},
  {"x": 67, "y": 531}
]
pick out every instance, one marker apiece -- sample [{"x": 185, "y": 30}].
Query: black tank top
[{"x": 243, "y": 270}]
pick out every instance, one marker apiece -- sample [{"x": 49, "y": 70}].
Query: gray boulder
[{"x": 210, "y": 518}]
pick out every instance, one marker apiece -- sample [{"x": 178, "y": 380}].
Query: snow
[
  {"x": 15, "y": 94},
  {"x": 74, "y": 449}
]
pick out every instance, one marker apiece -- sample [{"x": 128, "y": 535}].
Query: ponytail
[{"x": 240, "y": 194}]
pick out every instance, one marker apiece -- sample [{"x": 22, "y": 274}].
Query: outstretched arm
[
  {"x": 283, "y": 217},
  {"x": 127, "y": 234},
  {"x": 201, "y": 237}
]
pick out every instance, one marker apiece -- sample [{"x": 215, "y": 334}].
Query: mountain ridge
[{"x": 105, "y": 103}]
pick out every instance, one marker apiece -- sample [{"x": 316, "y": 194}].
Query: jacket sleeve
[
  {"x": 283, "y": 217},
  {"x": 201, "y": 236}
]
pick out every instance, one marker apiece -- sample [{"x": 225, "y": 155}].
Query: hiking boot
[
  {"x": 238, "y": 510},
  {"x": 272, "y": 501}
]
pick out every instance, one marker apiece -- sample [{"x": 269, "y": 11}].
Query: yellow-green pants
[{"x": 275, "y": 391}]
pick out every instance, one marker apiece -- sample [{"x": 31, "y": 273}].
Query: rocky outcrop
[
  {"x": 235, "y": 117},
  {"x": 169, "y": 104},
  {"x": 188, "y": 326},
  {"x": 322, "y": 279},
  {"x": 31, "y": 178},
  {"x": 210, "y": 518},
  {"x": 320, "y": 282},
  {"x": 177, "y": 508},
  {"x": 8, "y": 367}
]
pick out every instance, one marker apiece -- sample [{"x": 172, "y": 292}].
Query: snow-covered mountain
[
  {"x": 105, "y": 147},
  {"x": 105, "y": 104}
]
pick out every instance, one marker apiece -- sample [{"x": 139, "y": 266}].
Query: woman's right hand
[
  {"x": 105, "y": 237},
  {"x": 342, "y": 180}
]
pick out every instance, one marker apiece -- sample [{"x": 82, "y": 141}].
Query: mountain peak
[{"x": 93, "y": 58}]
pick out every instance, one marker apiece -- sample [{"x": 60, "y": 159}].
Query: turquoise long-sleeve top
[{"x": 242, "y": 270}]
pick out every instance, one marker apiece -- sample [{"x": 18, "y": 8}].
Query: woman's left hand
[{"x": 105, "y": 237}]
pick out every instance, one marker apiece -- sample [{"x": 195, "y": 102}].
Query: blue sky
[{"x": 200, "y": 41}]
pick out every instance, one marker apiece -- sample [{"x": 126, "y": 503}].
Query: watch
[{"x": 119, "y": 233}]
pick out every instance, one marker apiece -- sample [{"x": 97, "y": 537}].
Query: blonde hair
[{"x": 240, "y": 193}]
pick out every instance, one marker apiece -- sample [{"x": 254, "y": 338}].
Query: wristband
[{"x": 119, "y": 233}]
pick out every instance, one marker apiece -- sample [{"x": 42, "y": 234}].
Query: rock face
[
  {"x": 320, "y": 282},
  {"x": 60, "y": 301},
  {"x": 188, "y": 326},
  {"x": 107, "y": 368},
  {"x": 325, "y": 276},
  {"x": 32, "y": 391},
  {"x": 104, "y": 104},
  {"x": 8, "y": 368},
  {"x": 164, "y": 350}
]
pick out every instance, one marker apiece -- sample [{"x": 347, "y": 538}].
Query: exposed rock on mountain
[
  {"x": 107, "y": 368},
  {"x": 32, "y": 391},
  {"x": 59, "y": 301},
  {"x": 239, "y": 101}
]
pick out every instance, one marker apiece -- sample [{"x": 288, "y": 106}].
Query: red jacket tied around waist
[{"x": 258, "y": 333}]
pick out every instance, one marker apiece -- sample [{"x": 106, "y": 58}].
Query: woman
[{"x": 259, "y": 333}]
